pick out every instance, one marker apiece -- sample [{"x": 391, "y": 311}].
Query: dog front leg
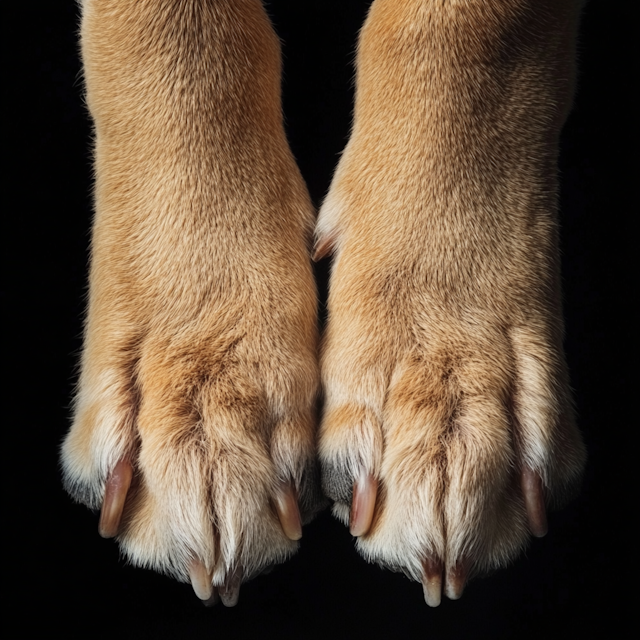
[{"x": 194, "y": 415}]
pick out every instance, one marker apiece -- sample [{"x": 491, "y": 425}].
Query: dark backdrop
[{"x": 64, "y": 579}]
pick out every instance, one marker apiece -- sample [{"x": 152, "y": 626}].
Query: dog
[{"x": 446, "y": 424}]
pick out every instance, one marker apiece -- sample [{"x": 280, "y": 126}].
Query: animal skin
[{"x": 447, "y": 422}]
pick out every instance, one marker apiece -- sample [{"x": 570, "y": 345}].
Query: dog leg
[
  {"x": 448, "y": 423},
  {"x": 194, "y": 416}
]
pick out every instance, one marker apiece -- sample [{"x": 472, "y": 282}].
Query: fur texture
[
  {"x": 200, "y": 358},
  {"x": 442, "y": 364}
]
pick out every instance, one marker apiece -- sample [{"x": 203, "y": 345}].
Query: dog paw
[
  {"x": 448, "y": 425},
  {"x": 195, "y": 436},
  {"x": 441, "y": 441},
  {"x": 194, "y": 427}
]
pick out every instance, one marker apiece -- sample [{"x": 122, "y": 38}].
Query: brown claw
[
  {"x": 286, "y": 505},
  {"x": 213, "y": 599},
  {"x": 201, "y": 581},
  {"x": 230, "y": 590},
  {"x": 115, "y": 494},
  {"x": 456, "y": 580},
  {"x": 531, "y": 484},
  {"x": 363, "y": 504},
  {"x": 323, "y": 248},
  {"x": 432, "y": 582}
]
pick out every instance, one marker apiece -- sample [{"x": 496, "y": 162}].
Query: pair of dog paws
[
  {"x": 446, "y": 425},
  {"x": 443, "y": 435}
]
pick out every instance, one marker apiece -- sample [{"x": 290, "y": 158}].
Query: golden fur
[
  {"x": 442, "y": 364},
  {"x": 200, "y": 359}
]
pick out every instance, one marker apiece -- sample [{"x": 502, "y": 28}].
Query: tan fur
[
  {"x": 200, "y": 352},
  {"x": 442, "y": 363}
]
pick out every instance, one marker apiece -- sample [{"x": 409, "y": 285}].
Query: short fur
[
  {"x": 200, "y": 358},
  {"x": 442, "y": 363}
]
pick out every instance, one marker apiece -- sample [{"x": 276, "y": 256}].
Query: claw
[
  {"x": 201, "y": 582},
  {"x": 287, "y": 508},
  {"x": 115, "y": 494},
  {"x": 323, "y": 248},
  {"x": 531, "y": 484},
  {"x": 432, "y": 582},
  {"x": 363, "y": 504},
  {"x": 230, "y": 590},
  {"x": 456, "y": 580},
  {"x": 213, "y": 599}
]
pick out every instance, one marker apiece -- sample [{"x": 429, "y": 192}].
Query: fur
[
  {"x": 442, "y": 364},
  {"x": 200, "y": 357}
]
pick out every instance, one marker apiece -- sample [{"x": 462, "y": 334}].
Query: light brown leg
[
  {"x": 194, "y": 423},
  {"x": 442, "y": 366}
]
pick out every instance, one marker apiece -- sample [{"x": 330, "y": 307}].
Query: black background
[{"x": 64, "y": 579}]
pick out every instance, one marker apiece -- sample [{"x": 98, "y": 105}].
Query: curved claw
[
  {"x": 230, "y": 590},
  {"x": 456, "y": 580},
  {"x": 363, "y": 504},
  {"x": 432, "y": 582},
  {"x": 531, "y": 484},
  {"x": 323, "y": 247},
  {"x": 213, "y": 599},
  {"x": 286, "y": 505},
  {"x": 115, "y": 494},
  {"x": 201, "y": 582}
]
